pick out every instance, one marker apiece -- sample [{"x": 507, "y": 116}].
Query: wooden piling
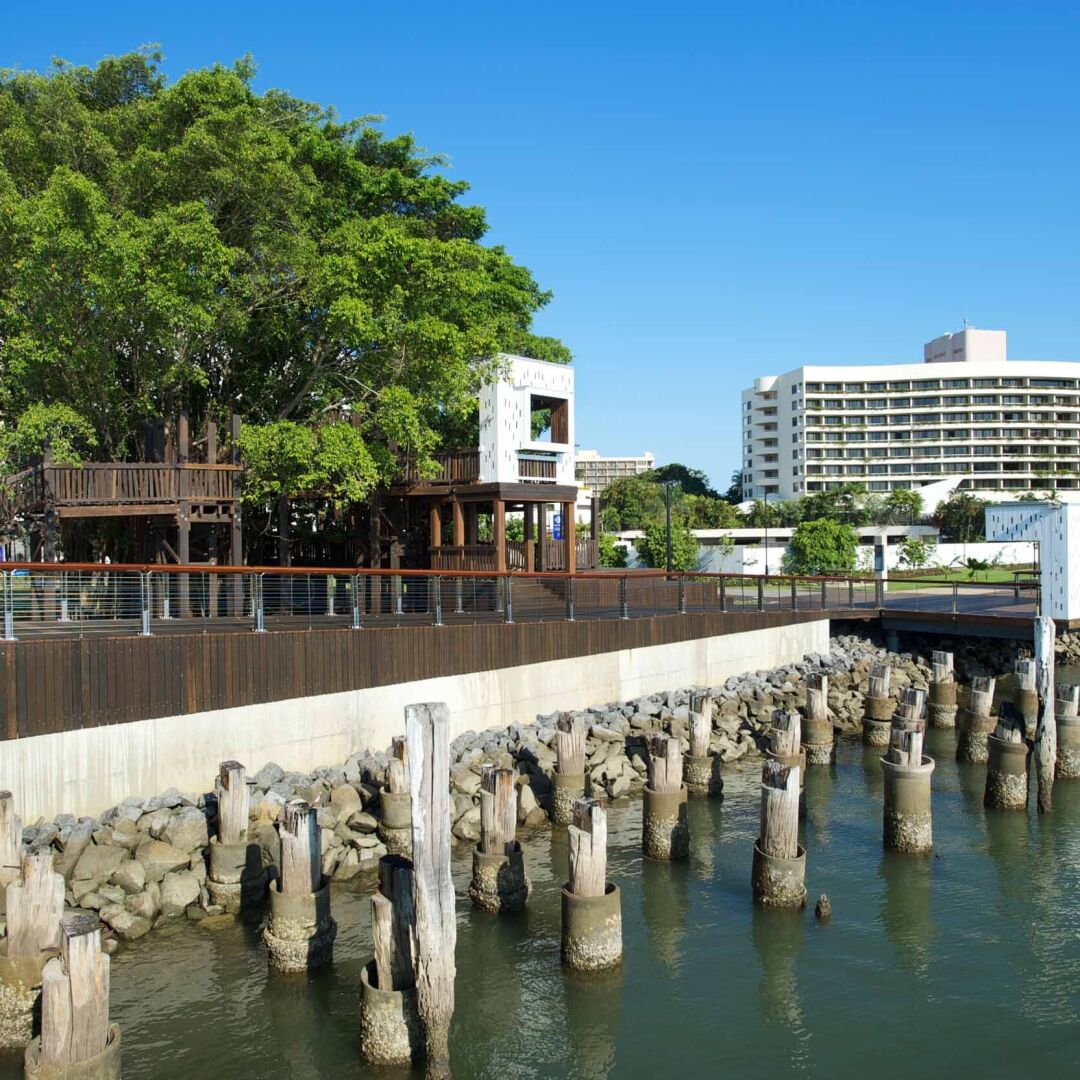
[
  {"x": 390, "y": 1028},
  {"x": 300, "y": 931},
  {"x": 76, "y": 1036},
  {"x": 1067, "y": 722},
  {"x": 701, "y": 767},
  {"x": 665, "y": 833},
  {"x": 1006, "y": 766},
  {"x": 1026, "y": 691},
  {"x": 785, "y": 746},
  {"x": 818, "y": 739},
  {"x": 499, "y": 882},
  {"x": 591, "y": 905},
  {"x": 1046, "y": 738},
  {"x": 568, "y": 783},
  {"x": 10, "y": 840},
  {"x": 395, "y": 821},
  {"x": 877, "y": 706},
  {"x": 427, "y": 729},
  {"x": 942, "y": 705},
  {"x": 906, "y": 806},
  {"x": 778, "y": 878},
  {"x": 975, "y": 722},
  {"x": 236, "y": 878},
  {"x": 35, "y": 905}
]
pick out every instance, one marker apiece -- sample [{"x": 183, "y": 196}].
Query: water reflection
[
  {"x": 1008, "y": 843},
  {"x": 906, "y": 908},
  {"x": 701, "y": 820},
  {"x": 873, "y": 775},
  {"x": 592, "y": 1022},
  {"x": 779, "y": 938},
  {"x": 664, "y": 906},
  {"x": 820, "y": 780}
]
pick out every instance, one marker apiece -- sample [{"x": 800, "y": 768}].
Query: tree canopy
[
  {"x": 199, "y": 245},
  {"x": 960, "y": 517},
  {"x": 819, "y": 547}
]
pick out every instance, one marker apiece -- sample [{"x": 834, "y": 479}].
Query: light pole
[
  {"x": 765, "y": 500},
  {"x": 668, "y": 485}
]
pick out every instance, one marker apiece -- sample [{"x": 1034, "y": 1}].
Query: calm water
[{"x": 967, "y": 960}]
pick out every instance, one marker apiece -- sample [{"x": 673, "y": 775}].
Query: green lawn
[{"x": 955, "y": 573}]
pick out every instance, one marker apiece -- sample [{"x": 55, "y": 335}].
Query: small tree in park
[{"x": 817, "y": 547}]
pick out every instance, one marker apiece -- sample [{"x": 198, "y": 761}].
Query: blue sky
[{"x": 711, "y": 191}]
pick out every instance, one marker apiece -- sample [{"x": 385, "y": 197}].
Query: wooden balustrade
[{"x": 456, "y": 467}]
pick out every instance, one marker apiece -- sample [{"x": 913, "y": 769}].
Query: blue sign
[{"x": 556, "y": 526}]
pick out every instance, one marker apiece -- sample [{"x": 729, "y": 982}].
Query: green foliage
[
  {"x": 733, "y": 494},
  {"x": 612, "y": 553},
  {"x": 58, "y": 428},
  {"x": 915, "y": 552},
  {"x": 976, "y": 567},
  {"x": 819, "y": 547},
  {"x": 690, "y": 481},
  {"x": 285, "y": 458},
  {"x": 630, "y": 503},
  {"x": 904, "y": 506},
  {"x": 704, "y": 512},
  {"x": 652, "y": 547},
  {"x": 960, "y": 517},
  {"x": 201, "y": 245}
]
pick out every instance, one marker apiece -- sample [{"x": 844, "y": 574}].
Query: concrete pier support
[
  {"x": 236, "y": 878},
  {"x": 975, "y": 723},
  {"x": 301, "y": 931},
  {"x": 1068, "y": 732},
  {"x": 907, "y": 822},
  {"x": 665, "y": 833},
  {"x": 395, "y": 824},
  {"x": 592, "y": 930},
  {"x": 1007, "y": 766},
  {"x": 565, "y": 791},
  {"x": 779, "y": 882},
  {"x": 701, "y": 776},
  {"x": 390, "y": 1029}
]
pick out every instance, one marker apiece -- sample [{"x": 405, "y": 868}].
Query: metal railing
[{"x": 76, "y": 599}]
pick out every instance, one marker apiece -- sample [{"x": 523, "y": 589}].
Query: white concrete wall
[{"x": 84, "y": 772}]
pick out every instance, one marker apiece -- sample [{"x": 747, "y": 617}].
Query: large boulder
[
  {"x": 126, "y": 924},
  {"x": 177, "y": 891},
  {"x": 187, "y": 830},
  {"x": 159, "y": 858},
  {"x": 145, "y": 904},
  {"x": 130, "y": 876},
  {"x": 97, "y": 864}
]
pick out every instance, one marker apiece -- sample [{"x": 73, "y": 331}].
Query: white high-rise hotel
[{"x": 1002, "y": 425}]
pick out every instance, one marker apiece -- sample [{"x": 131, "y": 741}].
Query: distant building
[
  {"x": 965, "y": 412},
  {"x": 596, "y": 472}
]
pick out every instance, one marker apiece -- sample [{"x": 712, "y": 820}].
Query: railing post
[
  {"x": 569, "y": 599},
  {"x": 459, "y": 595},
  {"x": 624, "y": 604},
  {"x": 145, "y": 595},
  {"x": 879, "y": 593},
  {"x": 9, "y": 607},
  {"x": 396, "y": 585},
  {"x": 824, "y": 594},
  {"x": 356, "y": 586},
  {"x": 257, "y": 601},
  {"x": 955, "y": 593},
  {"x": 64, "y": 596},
  {"x": 761, "y": 594},
  {"x": 794, "y": 595},
  {"x": 682, "y": 596},
  {"x": 850, "y": 593},
  {"x": 509, "y": 599},
  {"x": 723, "y": 594},
  {"x": 437, "y": 582}
]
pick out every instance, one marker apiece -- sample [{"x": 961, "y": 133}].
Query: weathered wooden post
[
  {"x": 499, "y": 881},
  {"x": 942, "y": 704},
  {"x": 818, "y": 740},
  {"x": 427, "y": 728},
  {"x": 665, "y": 833},
  {"x": 1006, "y": 766},
  {"x": 778, "y": 877},
  {"x": 301, "y": 931},
  {"x": 785, "y": 746},
  {"x": 77, "y": 1042},
  {"x": 1026, "y": 693},
  {"x": 1046, "y": 729},
  {"x": 10, "y": 840},
  {"x": 35, "y": 904},
  {"x": 1066, "y": 701},
  {"x": 395, "y": 824},
  {"x": 390, "y": 1028},
  {"x": 877, "y": 706},
  {"x": 701, "y": 768},
  {"x": 569, "y": 779},
  {"x": 906, "y": 822},
  {"x": 591, "y": 905},
  {"x": 975, "y": 722},
  {"x": 236, "y": 877}
]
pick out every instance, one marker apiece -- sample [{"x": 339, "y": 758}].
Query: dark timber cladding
[{"x": 60, "y": 684}]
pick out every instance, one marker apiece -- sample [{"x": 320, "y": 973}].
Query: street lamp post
[{"x": 765, "y": 499}]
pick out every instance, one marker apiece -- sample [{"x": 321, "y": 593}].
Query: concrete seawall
[{"x": 84, "y": 771}]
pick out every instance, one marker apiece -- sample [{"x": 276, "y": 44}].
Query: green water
[{"x": 965, "y": 961}]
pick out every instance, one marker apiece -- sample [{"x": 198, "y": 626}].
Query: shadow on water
[{"x": 906, "y": 908}]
